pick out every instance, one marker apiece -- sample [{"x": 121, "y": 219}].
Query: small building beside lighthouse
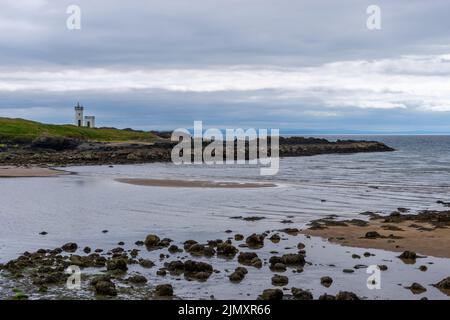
[{"x": 87, "y": 121}]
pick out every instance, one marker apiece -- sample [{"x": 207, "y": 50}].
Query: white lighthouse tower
[{"x": 79, "y": 115}]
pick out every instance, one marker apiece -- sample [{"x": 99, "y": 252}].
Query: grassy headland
[{"x": 25, "y": 131}]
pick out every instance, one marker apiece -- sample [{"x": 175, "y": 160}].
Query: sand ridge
[{"x": 193, "y": 183}]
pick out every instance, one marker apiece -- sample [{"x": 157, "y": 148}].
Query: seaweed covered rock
[
  {"x": 226, "y": 250},
  {"x": 279, "y": 280},
  {"x": 346, "y": 295},
  {"x": 164, "y": 290},
  {"x": 250, "y": 259},
  {"x": 301, "y": 294},
  {"x": 271, "y": 294},
  {"x": 255, "y": 241}
]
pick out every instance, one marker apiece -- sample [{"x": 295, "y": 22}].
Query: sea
[{"x": 80, "y": 206}]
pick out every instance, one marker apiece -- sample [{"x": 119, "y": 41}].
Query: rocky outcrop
[{"x": 60, "y": 151}]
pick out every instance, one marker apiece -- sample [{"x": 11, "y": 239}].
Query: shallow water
[{"x": 78, "y": 207}]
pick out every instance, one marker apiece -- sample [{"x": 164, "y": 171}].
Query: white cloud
[{"x": 420, "y": 82}]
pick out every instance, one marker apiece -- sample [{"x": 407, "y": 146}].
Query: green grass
[{"x": 24, "y": 131}]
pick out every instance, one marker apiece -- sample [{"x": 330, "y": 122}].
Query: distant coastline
[{"x": 30, "y": 143}]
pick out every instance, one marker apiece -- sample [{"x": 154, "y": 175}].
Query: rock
[
  {"x": 358, "y": 222},
  {"x": 117, "y": 250},
  {"x": 250, "y": 259},
  {"x": 255, "y": 241},
  {"x": 55, "y": 143},
  {"x": 87, "y": 250},
  {"x": 257, "y": 263},
  {"x": 161, "y": 272},
  {"x": 43, "y": 233},
  {"x": 238, "y": 237},
  {"x": 139, "y": 243},
  {"x": 408, "y": 255},
  {"x": 355, "y": 256},
  {"x": 201, "y": 250},
  {"x": 152, "y": 241},
  {"x": 275, "y": 238},
  {"x": 279, "y": 280},
  {"x": 345, "y": 295},
  {"x": 105, "y": 288},
  {"x": 70, "y": 247},
  {"x": 116, "y": 265},
  {"x": 278, "y": 267},
  {"x": 105, "y": 231},
  {"x": 120, "y": 243},
  {"x": 348, "y": 270},
  {"x": 300, "y": 246},
  {"x": 145, "y": 263},
  {"x": 174, "y": 249},
  {"x": 176, "y": 267},
  {"x": 164, "y": 290},
  {"x": 271, "y": 294},
  {"x": 301, "y": 294},
  {"x": 238, "y": 275},
  {"x": 382, "y": 267},
  {"x": 328, "y": 297},
  {"x": 372, "y": 235},
  {"x": 197, "y": 270},
  {"x": 189, "y": 243},
  {"x": 134, "y": 253},
  {"x": 226, "y": 250},
  {"x": 165, "y": 242},
  {"x": 137, "y": 279},
  {"x": 443, "y": 286},
  {"x": 293, "y": 259},
  {"x": 416, "y": 288},
  {"x": 241, "y": 270},
  {"x": 290, "y": 231},
  {"x": 423, "y": 268},
  {"x": 326, "y": 281},
  {"x": 246, "y": 257}
]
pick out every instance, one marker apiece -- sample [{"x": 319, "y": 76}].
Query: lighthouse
[
  {"x": 79, "y": 115},
  {"x": 80, "y": 121}
]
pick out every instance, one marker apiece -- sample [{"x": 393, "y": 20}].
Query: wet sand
[
  {"x": 22, "y": 172},
  {"x": 193, "y": 184},
  {"x": 422, "y": 238}
]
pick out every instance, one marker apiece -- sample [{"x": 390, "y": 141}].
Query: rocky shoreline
[
  {"x": 66, "y": 152},
  {"x": 116, "y": 273}
]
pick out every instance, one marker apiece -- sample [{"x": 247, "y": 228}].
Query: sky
[{"x": 311, "y": 66}]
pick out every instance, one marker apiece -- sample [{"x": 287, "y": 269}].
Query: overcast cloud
[{"x": 309, "y": 65}]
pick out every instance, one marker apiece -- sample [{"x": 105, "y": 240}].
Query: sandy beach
[
  {"x": 23, "y": 172},
  {"x": 410, "y": 234}
]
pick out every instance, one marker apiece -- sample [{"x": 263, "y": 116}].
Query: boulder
[
  {"x": 345, "y": 295},
  {"x": 164, "y": 290},
  {"x": 271, "y": 294},
  {"x": 255, "y": 241},
  {"x": 301, "y": 294},
  {"x": 70, "y": 247},
  {"x": 279, "y": 280},
  {"x": 152, "y": 241},
  {"x": 326, "y": 281}
]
